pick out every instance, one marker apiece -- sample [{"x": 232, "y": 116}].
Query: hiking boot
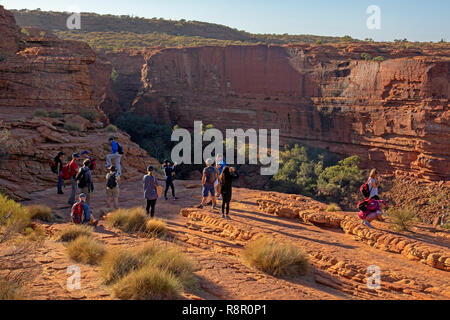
[
  {"x": 175, "y": 198},
  {"x": 167, "y": 199},
  {"x": 367, "y": 224},
  {"x": 223, "y": 216},
  {"x": 200, "y": 206},
  {"x": 228, "y": 217},
  {"x": 60, "y": 192},
  {"x": 209, "y": 203}
]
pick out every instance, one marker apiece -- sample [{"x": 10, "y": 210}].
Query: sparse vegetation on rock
[
  {"x": 401, "y": 219},
  {"x": 71, "y": 126},
  {"x": 41, "y": 212},
  {"x": 128, "y": 220}
]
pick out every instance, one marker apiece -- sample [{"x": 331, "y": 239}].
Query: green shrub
[
  {"x": 148, "y": 283},
  {"x": 275, "y": 258},
  {"x": 71, "y": 126},
  {"x": 366, "y": 56},
  {"x": 85, "y": 249},
  {"x": 379, "y": 59},
  {"x": 40, "y": 212},
  {"x": 2, "y": 57},
  {"x": 111, "y": 128},
  {"x": 13, "y": 216},
  {"x": 41, "y": 113},
  {"x": 128, "y": 220},
  {"x": 401, "y": 219},
  {"x": 73, "y": 231},
  {"x": 90, "y": 114},
  {"x": 56, "y": 114},
  {"x": 333, "y": 207},
  {"x": 338, "y": 182}
]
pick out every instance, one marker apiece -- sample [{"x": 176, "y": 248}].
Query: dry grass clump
[
  {"x": 275, "y": 258},
  {"x": 85, "y": 249},
  {"x": 73, "y": 231},
  {"x": 147, "y": 272},
  {"x": 40, "y": 212},
  {"x": 333, "y": 207},
  {"x": 111, "y": 128},
  {"x": 10, "y": 289},
  {"x": 401, "y": 219},
  {"x": 148, "y": 283},
  {"x": 156, "y": 227},
  {"x": 118, "y": 263},
  {"x": 128, "y": 220}
]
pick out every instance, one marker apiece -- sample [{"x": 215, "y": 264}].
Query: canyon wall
[
  {"x": 394, "y": 114},
  {"x": 45, "y": 85}
]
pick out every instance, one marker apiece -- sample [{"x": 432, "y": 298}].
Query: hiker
[
  {"x": 56, "y": 167},
  {"x": 112, "y": 188},
  {"x": 73, "y": 169},
  {"x": 86, "y": 156},
  {"x": 372, "y": 182},
  {"x": 116, "y": 154},
  {"x": 169, "y": 173},
  {"x": 226, "y": 179},
  {"x": 81, "y": 214},
  {"x": 208, "y": 179},
  {"x": 220, "y": 164},
  {"x": 150, "y": 183},
  {"x": 85, "y": 180},
  {"x": 371, "y": 210}
]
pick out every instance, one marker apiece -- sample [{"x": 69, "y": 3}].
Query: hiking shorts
[
  {"x": 208, "y": 188},
  {"x": 112, "y": 193}
]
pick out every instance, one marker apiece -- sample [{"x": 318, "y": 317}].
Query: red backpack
[
  {"x": 93, "y": 164},
  {"x": 365, "y": 190},
  {"x": 65, "y": 172},
  {"x": 77, "y": 213}
]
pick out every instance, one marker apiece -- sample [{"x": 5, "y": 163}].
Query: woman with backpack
[
  {"x": 226, "y": 180},
  {"x": 372, "y": 183},
  {"x": 112, "y": 188},
  {"x": 85, "y": 180},
  {"x": 150, "y": 184}
]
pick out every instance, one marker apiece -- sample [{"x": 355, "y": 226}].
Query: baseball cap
[
  {"x": 82, "y": 195},
  {"x": 85, "y": 152},
  {"x": 75, "y": 155}
]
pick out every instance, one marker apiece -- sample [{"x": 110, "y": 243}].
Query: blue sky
[{"x": 416, "y": 20}]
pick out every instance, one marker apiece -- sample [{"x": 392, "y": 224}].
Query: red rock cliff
[{"x": 393, "y": 114}]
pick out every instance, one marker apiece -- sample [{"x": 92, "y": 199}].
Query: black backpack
[
  {"x": 111, "y": 183},
  {"x": 82, "y": 183},
  {"x": 365, "y": 190},
  {"x": 119, "y": 148}
]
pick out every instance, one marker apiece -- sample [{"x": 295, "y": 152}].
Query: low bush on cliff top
[
  {"x": 90, "y": 114},
  {"x": 41, "y": 113},
  {"x": 40, "y": 212},
  {"x": 13, "y": 217},
  {"x": 10, "y": 289},
  {"x": 111, "y": 128},
  {"x": 401, "y": 219},
  {"x": 71, "y": 126},
  {"x": 56, "y": 114},
  {"x": 275, "y": 258}
]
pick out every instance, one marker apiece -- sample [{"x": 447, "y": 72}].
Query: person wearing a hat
[
  {"x": 86, "y": 211},
  {"x": 112, "y": 188},
  {"x": 73, "y": 168},
  {"x": 150, "y": 183}
]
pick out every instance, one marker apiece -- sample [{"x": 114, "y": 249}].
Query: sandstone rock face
[
  {"x": 393, "y": 114},
  {"x": 43, "y": 72}
]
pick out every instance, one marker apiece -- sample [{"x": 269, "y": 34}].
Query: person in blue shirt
[{"x": 114, "y": 155}]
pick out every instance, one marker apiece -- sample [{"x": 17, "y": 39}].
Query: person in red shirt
[{"x": 73, "y": 165}]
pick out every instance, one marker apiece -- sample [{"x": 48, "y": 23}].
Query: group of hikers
[
  {"x": 216, "y": 181},
  {"x": 81, "y": 178}
]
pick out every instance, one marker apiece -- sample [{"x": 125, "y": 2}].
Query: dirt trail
[{"x": 339, "y": 260}]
